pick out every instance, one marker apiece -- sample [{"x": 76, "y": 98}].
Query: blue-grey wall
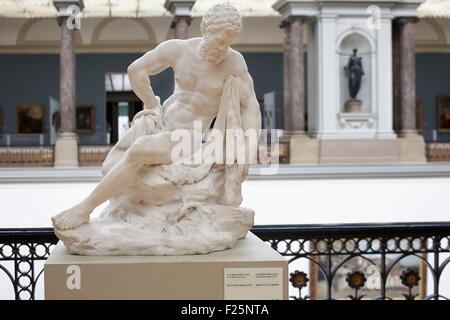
[
  {"x": 32, "y": 78},
  {"x": 432, "y": 80},
  {"x": 266, "y": 70},
  {"x": 26, "y": 79},
  {"x": 91, "y": 70}
]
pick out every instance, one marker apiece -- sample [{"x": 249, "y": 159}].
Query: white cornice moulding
[
  {"x": 179, "y": 7},
  {"x": 395, "y": 8},
  {"x": 64, "y": 7}
]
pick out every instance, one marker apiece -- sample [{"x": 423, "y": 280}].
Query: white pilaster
[
  {"x": 384, "y": 81},
  {"x": 311, "y": 77},
  {"x": 327, "y": 96}
]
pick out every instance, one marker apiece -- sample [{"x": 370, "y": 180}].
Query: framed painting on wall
[
  {"x": 420, "y": 116},
  {"x": 85, "y": 118},
  {"x": 30, "y": 119},
  {"x": 1, "y": 120},
  {"x": 56, "y": 120},
  {"x": 443, "y": 115}
]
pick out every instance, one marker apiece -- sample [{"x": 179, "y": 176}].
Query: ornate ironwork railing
[
  {"x": 26, "y": 156},
  {"x": 345, "y": 261},
  {"x": 91, "y": 156},
  {"x": 364, "y": 261},
  {"x": 438, "y": 151},
  {"x": 22, "y": 254}
]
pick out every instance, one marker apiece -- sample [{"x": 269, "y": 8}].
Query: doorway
[
  {"x": 120, "y": 111},
  {"x": 121, "y": 105}
]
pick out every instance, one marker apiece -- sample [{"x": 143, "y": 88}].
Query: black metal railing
[
  {"x": 344, "y": 261},
  {"x": 364, "y": 261},
  {"x": 22, "y": 255}
]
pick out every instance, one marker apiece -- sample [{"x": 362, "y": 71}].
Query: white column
[
  {"x": 66, "y": 146},
  {"x": 384, "y": 90},
  {"x": 311, "y": 77},
  {"x": 181, "y": 9},
  {"x": 327, "y": 76}
]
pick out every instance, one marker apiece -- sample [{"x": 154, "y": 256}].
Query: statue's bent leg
[
  {"x": 146, "y": 150},
  {"x": 118, "y": 150},
  {"x": 113, "y": 157}
]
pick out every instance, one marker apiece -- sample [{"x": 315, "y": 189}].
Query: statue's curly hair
[{"x": 223, "y": 16}]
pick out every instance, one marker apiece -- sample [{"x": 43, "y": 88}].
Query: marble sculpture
[{"x": 162, "y": 200}]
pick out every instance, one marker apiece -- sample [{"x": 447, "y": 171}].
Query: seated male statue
[{"x": 202, "y": 66}]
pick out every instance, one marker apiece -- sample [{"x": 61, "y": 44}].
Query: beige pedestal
[
  {"x": 303, "y": 149},
  {"x": 163, "y": 277},
  {"x": 66, "y": 150},
  {"x": 353, "y": 105},
  {"x": 412, "y": 148},
  {"x": 359, "y": 151}
]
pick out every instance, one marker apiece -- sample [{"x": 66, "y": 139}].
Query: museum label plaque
[{"x": 253, "y": 283}]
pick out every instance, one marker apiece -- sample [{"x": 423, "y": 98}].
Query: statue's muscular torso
[{"x": 198, "y": 87}]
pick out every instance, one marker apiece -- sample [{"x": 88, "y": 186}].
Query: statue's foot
[{"x": 71, "y": 218}]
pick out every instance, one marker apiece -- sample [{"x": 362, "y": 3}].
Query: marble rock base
[{"x": 163, "y": 277}]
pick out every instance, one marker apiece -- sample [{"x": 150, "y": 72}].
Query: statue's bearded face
[{"x": 216, "y": 44}]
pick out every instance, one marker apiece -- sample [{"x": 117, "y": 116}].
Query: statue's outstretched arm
[{"x": 151, "y": 63}]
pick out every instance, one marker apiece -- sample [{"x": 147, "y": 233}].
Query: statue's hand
[
  {"x": 148, "y": 120},
  {"x": 152, "y": 105},
  {"x": 151, "y": 121}
]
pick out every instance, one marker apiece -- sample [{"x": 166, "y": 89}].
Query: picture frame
[
  {"x": 420, "y": 115},
  {"x": 30, "y": 119},
  {"x": 85, "y": 119},
  {"x": 56, "y": 120},
  {"x": 1, "y": 120},
  {"x": 443, "y": 114}
]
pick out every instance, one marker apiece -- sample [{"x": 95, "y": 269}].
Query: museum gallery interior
[
  {"x": 296, "y": 51},
  {"x": 344, "y": 94}
]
